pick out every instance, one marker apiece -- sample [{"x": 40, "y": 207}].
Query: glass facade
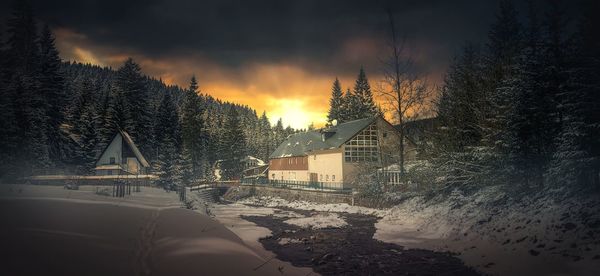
[{"x": 364, "y": 147}]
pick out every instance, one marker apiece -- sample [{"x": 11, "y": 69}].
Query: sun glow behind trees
[{"x": 292, "y": 92}]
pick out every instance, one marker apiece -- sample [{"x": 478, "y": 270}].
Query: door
[
  {"x": 314, "y": 177},
  {"x": 132, "y": 165}
]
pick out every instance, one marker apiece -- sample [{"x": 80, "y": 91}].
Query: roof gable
[
  {"x": 129, "y": 142},
  {"x": 299, "y": 144},
  {"x": 134, "y": 148}
]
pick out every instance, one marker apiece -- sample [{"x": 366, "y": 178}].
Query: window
[
  {"x": 364, "y": 147},
  {"x": 112, "y": 160},
  {"x": 315, "y": 157},
  {"x": 326, "y": 177},
  {"x": 109, "y": 172},
  {"x": 272, "y": 176},
  {"x": 333, "y": 177},
  {"x": 321, "y": 178}
]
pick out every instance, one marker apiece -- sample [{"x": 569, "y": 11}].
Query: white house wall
[
  {"x": 115, "y": 149},
  {"x": 289, "y": 175},
  {"x": 327, "y": 165}
]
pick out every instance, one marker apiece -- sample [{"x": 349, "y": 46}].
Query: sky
[{"x": 275, "y": 56}]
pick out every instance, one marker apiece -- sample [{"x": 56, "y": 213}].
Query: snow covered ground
[
  {"x": 79, "y": 232},
  {"x": 541, "y": 235},
  {"x": 275, "y": 202},
  {"x": 544, "y": 234},
  {"x": 149, "y": 197},
  {"x": 319, "y": 221}
]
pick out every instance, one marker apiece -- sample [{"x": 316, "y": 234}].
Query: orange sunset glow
[{"x": 288, "y": 91}]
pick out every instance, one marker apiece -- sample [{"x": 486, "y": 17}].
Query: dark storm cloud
[{"x": 232, "y": 33}]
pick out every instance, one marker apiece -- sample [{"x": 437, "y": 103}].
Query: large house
[
  {"x": 335, "y": 155},
  {"x": 121, "y": 157}
]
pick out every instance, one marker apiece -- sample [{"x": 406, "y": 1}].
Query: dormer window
[{"x": 111, "y": 160}]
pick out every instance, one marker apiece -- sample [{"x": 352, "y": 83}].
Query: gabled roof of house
[
  {"x": 250, "y": 157},
  {"x": 134, "y": 148},
  {"x": 131, "y": 145},
  {"x": 299, "y": 144}
]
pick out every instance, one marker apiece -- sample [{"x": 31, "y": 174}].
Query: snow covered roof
[
  {"x": 259, "y": 162},
  {"x": 131, "y": 145},
  {"x": 134, "y": 148},
  {"x": 300, "y": 144}
]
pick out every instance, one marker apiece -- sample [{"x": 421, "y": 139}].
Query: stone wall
[{"x": 239, "y": 192}]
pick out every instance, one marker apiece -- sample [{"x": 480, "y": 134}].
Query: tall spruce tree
[
  {"x": 193, "y": 130},
  {"x": 88, "y": 140},
  {"x": 577, "y": 158},
  {"x": 360, "y": 103},
  {"x": 264, "y": 137},
  {"x": 529, "y": 134},
  {"x": 461, "y": 99},
  {"x": 231, "y": 146},
  {"x": 503, "y": 50},
  {"x": 51, "y": 86},
  {"x": 167, "y": 133},
  {"x": 132, "y": 87},
  {"x": 336, "y": 103}
]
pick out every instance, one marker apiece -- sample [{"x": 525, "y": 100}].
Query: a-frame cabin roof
[
  {"x": 299, "y": 144},
  {"x": 131, "y": 145},
  {"x": 134, "y": 148}
]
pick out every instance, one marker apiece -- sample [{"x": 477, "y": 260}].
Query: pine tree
[
  {"x": 278, "y": 134},
  {"x": 193, "y": 130},
  {"x": 459, "y": 106},
  {"x": 88, "y": 141},
  {"x": 51, "y": 86},
  {"x": 577, "y": 158},
  {"x": 167, "y": 133},
  {"x": 83, "y": 100},
  {"x": 360, "y": 103},
  {"x": 336, "y": 103},
  {"x": 132, "y": 87},
  {"x": 264, "y": 138},
  {"x": 530, "y": 128},
  {"x": 21, "y": 78},
  {"x": 504, "y": 47},
  {"x": 186, "y": 167},
  {"x": 231, "y": 146}
]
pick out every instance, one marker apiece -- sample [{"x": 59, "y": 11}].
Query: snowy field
[
  {"x": 149, "y": 197},
  {"x": 535, "y": 236},
  {"x": 78, "y": 232}
]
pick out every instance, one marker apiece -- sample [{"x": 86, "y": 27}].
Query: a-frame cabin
[{"x": 121, "y": 157}]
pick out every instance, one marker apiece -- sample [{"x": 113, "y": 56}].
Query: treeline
[
  {"x": 525, "y": 107},
  {"x": 59, "y": 115},
  {"x": 355, "y": 104}
]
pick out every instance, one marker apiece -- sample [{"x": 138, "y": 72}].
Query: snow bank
[
  {"x": 319, "y": 221},
  {"x": 539, "y": 234},
  {"x": 275, "y": 202}
]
